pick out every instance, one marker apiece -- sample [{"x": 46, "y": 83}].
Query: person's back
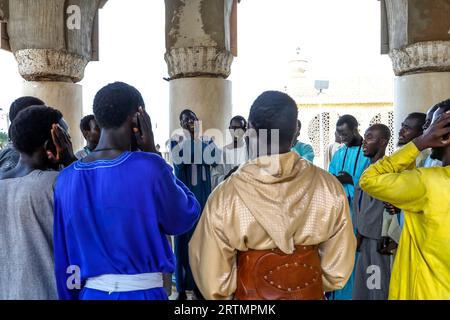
[
  {"x": 277, "y": 202},
  {"x": 114, "y": 209},
  {"x": 26, "y": 208},
  {"x": 26, "y": 223},
  {"x": 114, "y": 215}
]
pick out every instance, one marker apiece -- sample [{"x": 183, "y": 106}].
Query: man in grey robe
[
  {"x": 372, "y": 273},
  {"x": 26, "y": 205}
]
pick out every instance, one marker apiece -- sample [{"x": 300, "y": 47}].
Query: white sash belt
[{"x": 125, "y": 283}]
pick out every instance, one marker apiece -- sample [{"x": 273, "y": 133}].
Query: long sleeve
[
  {"x": 338, "y": 253},
  {"x": 178, "y": 210},
  {"x": 390, "y": 180},
  {"x": 212, "y": 259},
  {"x": 62, "y": 262}
]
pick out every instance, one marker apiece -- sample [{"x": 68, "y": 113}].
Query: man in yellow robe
[
  {"x": 277, "y": 200},
  {"x": 422, "y": 265}
]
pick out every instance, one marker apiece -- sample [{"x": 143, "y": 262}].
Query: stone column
[
  {"x": 417, "y": 38},
  {"x": 53, "y": 41},
  {"x": 199, "y": 58}
]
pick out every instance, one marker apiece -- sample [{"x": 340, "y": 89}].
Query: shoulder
[
  {"x": 334, "y": 187},
  {"x": 43, "y": 180},
  {"x": 150, "y": 164},
  {"x": 152, "y": 159},
  {"x": 224, "y": 193},
  {"x": 340, "y": 151}
]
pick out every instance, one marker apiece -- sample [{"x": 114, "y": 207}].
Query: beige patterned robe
[{"x": 272, "y": 202}]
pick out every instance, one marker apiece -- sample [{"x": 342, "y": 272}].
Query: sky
[{"x": 340, "y": 39}]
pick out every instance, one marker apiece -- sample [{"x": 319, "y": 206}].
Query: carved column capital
[
  {"x": 53, "y": 40},
  {"x": 198, "y": 38},
  {"x": 422, "y": 57},
  {"x": 198, "y": 61},
  {"x": 50, "y": 65}
]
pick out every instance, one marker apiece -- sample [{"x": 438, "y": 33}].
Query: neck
[
  {"x": 114, "y": 139},
  {"x": 24, "y": 167},
  {"x": 270, "y": 152},
  {"x": 357, "y": 142},
  {"x": 380, "y": 154},
  {"x": 91, "y": 146}
]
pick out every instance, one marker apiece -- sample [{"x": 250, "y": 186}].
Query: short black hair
[
  {"x": 240, "y": 119},
  {"x": 420, "y": 117},
  {"x": 85, "y": 123},
  {"x": 186, "y": 111},
  {"x": 21, "y": 104},
  {"x": 383, "y": 129},
  {"x": 114, "y": 103},
  {"x": 348, "y": 119},
  {"x": 32, "y": 128},
  {"x": 274, "y": 110}
]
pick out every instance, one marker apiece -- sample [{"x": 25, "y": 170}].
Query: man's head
[
  {"x": 272, "y": 111},
  {"x": 429, "y": 118},
  {"x": 376, "y": 140},
  {"x": 90, "y": 130},
  {"x": 347, "y": 129},
  {"x": 412, "y": 127},
  {"x": 21, "y": 104},
  {"x": 187, "y": 120},
  {"x": 31, "y": 134},
  {"x": 238, "y": 127},
  {"x": 115, "y": 108},
  {"x": 441, "y": 109}
]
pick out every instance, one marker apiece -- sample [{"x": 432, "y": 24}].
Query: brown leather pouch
[{"x": 274, "y": 275}]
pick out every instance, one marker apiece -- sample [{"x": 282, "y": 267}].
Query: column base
[
  {"x": 67, "y": 98},
  {"x": 209, "y": 98}
]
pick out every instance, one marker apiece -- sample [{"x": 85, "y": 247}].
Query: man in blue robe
[
  {"x": 193, "y": 158},
  {"x": 347, "y": 165},
  {"x": 114, "y": 208}
]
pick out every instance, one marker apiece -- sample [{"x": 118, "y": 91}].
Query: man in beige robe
[{"x": 277, "y": 200}]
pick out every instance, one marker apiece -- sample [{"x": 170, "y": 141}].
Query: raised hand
[
  {"x": 345, "y": 178},
  {"x": 433, "y": 137},
  {"x": 144, "y": 132},
  {"x": 64, "y": 150}
]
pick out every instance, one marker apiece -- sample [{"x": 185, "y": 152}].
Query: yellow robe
[
  {"x": 272, "y": 202},
  {"x": 422, "y": 264}
]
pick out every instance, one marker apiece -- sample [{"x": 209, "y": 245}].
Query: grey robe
[
  {"x": 372, "y": 272},
  {"x": 26, "y": 237}
]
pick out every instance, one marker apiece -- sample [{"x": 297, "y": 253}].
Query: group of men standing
[{"x": 252, "y": 220}]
